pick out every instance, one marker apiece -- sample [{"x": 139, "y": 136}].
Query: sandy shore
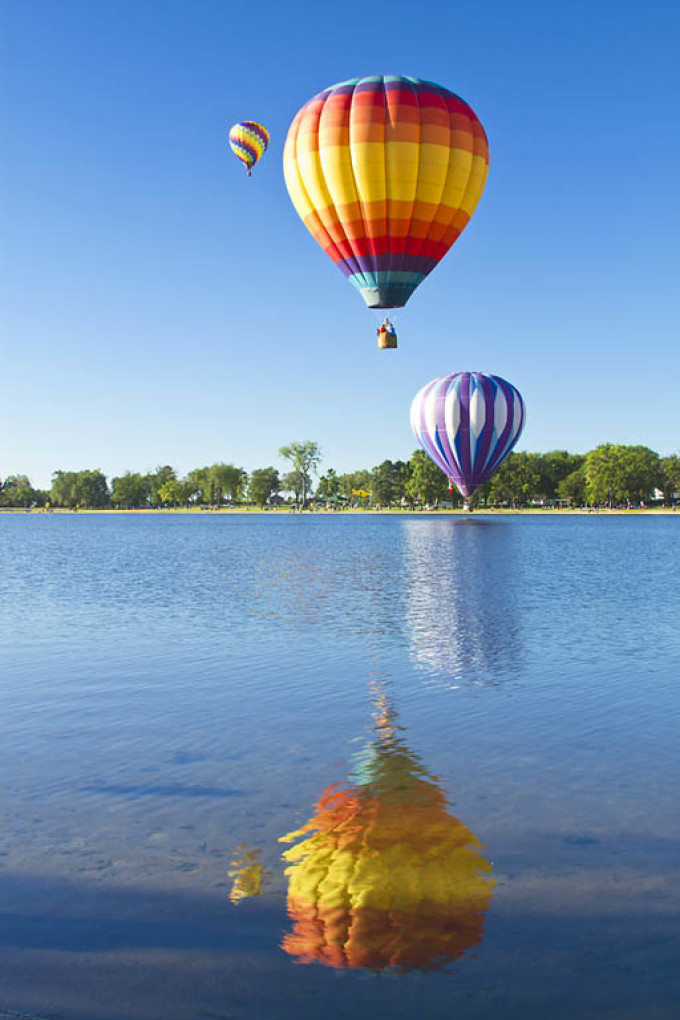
[{"x": 537, "y": 511}]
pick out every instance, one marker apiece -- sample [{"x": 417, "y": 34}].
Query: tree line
[{"x": 611, "y": 475}]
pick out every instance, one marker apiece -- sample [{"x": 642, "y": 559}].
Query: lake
[{"x": 461, "y": 732}]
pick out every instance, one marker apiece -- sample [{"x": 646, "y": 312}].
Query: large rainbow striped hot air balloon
[
  {"x": 385, "y": 173},
  {"x": 468, "y": 423},
  {"x": 248, "y": 141}
]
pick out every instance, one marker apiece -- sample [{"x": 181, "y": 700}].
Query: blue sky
[{"x": 159, "y": 307}]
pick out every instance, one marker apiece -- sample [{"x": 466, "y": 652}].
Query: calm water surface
[{"x": 291, "y": 767}]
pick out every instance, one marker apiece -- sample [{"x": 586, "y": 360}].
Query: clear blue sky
[{"x": 159, "y": 307}]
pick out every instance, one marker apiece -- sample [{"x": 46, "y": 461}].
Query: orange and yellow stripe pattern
[{"x": 385, "y": 173}]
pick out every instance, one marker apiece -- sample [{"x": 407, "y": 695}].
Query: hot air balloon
[
  {"x": 383, "y": 875},
  {"x": 385, "y": 173},
  {"x": 248, "y": 140},
  {"x": 467, "y": 423}
]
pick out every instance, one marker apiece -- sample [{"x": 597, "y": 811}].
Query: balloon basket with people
[{"x": 387, "y": 335}]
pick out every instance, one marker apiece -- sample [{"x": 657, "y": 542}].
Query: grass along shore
[{"x": 447, "y": 512}]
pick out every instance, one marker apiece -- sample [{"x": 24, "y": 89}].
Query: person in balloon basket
[{"x": 386, "y": 327}]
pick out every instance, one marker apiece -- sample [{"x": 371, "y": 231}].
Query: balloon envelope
[
  {"x": 385, "y": 173},
  {"x": 248, "y": 140},
  {"x": 468, "y": 423}
]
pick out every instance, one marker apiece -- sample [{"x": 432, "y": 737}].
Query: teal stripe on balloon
[{"x": 387, "y": 278}]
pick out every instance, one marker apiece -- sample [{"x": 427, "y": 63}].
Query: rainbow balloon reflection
[{"x": 383, "y": 875}]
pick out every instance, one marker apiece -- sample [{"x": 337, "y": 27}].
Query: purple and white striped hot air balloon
[{"x": 467, "y": 423}]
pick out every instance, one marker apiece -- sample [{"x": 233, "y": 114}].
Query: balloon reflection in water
[
  {"x": 462, "y": 579},
  {"x": 247, "y": 872},
  {"x": 383, "y": 875}
]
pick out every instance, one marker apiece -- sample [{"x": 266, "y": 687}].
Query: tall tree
[
  {"x": 517, "y": 480},
  {"x": 63, "y": 487},
  {"x": 227, "y": 482},
  {"x": 573, "y": 487},
  {"x": 199, "y": 485},
  {"x": 79, "y": 488},
  {"x": 292, "y": 482},
  {"x": 174, "y": 491},
  {"x": 388, "y": 481},
  {"x": 553, "y": 468},
  {"x": 670, "y": 477},
  {"x": 264, "y": 483},
  {"x": 329, "y": 485},
  {"x": 305, "y": 458},
  {"x": 352, "y": 480},
  {"x": 481, "y": 496},
  {"x": 17, "y": 490},
  {"x": 427, "y": 482},
  {"x": 130, "y": 490},
  {"x": 619, "y": 474},
  {"x": 156, "y": 479}
]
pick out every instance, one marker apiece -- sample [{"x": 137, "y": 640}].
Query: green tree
[
  {"x": 264, "y": 483},
  {"x": 292, "y": 482},
  {"x": 619, "y": 474},
  {"x": 79, "y": 488},
  {"x": 18, "y": 491},
  {"x": 130, "y": 490},
  {"x": 226, "y": 481},
  {"x": 573, "y": 487},
  {"x": 388, "y": 481},
  {"x": 63, "y": 487},
  {"x": 553, "y": 468},
  {"x": 427, "y": 482},
  {"x": 670, "y": 477},
  {"x": 481, "y": 496},
  {"x": 305, "y": 458},
  {"x": 352, "y": 480},
  {"x": 174, "y": 491},
  {"x": 517, "y": 480},
  {"x": 329, "y": 485},
  {"x": 199, "y": 485},
  {"x": 92, "y": 489},
  {"x": 156, "y": 479}
]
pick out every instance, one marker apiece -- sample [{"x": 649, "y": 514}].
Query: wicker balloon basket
[{"x": 387, "y": 339}]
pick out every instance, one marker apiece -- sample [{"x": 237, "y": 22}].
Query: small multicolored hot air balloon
[
  {"x": 385, "y": 173},
  {"x": 467, "y": 423},
  {"x": 249, "y": 141}
]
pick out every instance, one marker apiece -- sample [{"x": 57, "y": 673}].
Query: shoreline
[{"x": 275, "y": 511}]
